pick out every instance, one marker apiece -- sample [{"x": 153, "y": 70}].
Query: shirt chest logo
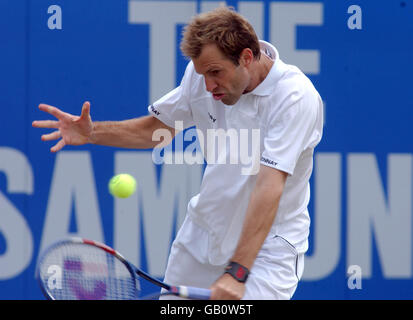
[{"x": 212, "y": 118}]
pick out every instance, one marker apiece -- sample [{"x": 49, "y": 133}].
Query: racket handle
[{"x": 194, "y": 293}]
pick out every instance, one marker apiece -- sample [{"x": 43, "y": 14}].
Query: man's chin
[{"x": 229, "y": 101}]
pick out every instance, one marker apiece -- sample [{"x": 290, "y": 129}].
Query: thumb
[{"x": 85, "y": 110}]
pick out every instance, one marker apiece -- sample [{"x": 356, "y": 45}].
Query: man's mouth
[{"x": 218, "y": 96}]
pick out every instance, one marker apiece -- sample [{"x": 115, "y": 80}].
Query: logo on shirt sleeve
[
  {"x": 154, "y": 110},
  {"x": 268, "y": 161}
]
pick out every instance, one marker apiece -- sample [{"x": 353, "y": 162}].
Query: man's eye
[{"x": 215, "y": 72}]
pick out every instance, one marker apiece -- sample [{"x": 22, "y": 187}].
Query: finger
[
  {"x": 52, "y": 136},
  {"x": 52, "y": 110},
  {"x": 51, "y": 124},
  {"x": 85, "y": 110},
  {"x": 215, "y": 293},
  {"x": 58, "y": 146}
]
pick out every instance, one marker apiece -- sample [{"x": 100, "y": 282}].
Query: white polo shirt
[{"x": 286, "y": 110}]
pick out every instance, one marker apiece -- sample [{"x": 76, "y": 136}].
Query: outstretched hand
[{"x": 71, "y": 130}]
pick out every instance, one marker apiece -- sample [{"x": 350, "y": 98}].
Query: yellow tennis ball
[{"x": 122, "y": 185}]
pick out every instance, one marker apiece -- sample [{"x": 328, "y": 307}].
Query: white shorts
[{"x": 274, "y": 275}]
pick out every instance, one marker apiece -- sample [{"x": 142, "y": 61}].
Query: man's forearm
[
  {"x": 134, "y": 133},
  {"x": 259, "y": 218}
]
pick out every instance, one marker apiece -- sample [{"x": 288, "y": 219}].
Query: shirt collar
[{"x": 266, "y": 87}]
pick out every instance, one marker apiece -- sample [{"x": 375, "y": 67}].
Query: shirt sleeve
[
  {"x": 175, "y": 106},
  {"x": 297, "y": 127}
]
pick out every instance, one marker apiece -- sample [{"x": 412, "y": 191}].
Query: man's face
[{"x": 223, "y": 78}]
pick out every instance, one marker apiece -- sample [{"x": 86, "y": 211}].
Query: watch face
[{"x": 240, "y": 274}]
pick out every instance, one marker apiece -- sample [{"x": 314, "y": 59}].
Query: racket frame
[{"x": 183, "y": 291}]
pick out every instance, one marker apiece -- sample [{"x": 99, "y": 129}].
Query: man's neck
[{"x": 261, "y": 69}]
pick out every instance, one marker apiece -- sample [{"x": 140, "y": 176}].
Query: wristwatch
[{"x": 237, "y": 271}]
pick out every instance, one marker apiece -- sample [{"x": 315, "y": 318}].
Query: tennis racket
[{"x": 81, "y": 269}]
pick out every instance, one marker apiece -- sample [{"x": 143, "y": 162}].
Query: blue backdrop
[{"x": 122, "y": 55}]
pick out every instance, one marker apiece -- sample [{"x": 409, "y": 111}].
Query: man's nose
[{"x": 210, "y": 84}]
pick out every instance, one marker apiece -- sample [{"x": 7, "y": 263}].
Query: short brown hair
[{"x": 224, "y": 27}]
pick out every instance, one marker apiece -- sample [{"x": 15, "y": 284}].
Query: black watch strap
[{"x": 237, "y": 271}]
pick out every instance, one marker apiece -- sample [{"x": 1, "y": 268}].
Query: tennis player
[{"x": 244, "y": 235}]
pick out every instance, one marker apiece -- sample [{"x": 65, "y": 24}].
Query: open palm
[{"x": 71, "y": 130}]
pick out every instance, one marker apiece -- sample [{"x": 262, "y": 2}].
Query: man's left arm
[{"x": 259, "y": 218}]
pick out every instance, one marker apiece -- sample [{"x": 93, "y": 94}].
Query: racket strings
[{"x": 78, "y": 271}]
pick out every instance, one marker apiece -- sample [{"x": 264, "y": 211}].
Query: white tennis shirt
[{"x": 287, "y": 112}]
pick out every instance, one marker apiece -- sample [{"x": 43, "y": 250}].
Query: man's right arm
[
  {"x": 133, "y": 133},
  {"x": 79, "y": 130}
]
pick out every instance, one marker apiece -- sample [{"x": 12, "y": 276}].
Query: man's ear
[{"x": 246, "y": 57}]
